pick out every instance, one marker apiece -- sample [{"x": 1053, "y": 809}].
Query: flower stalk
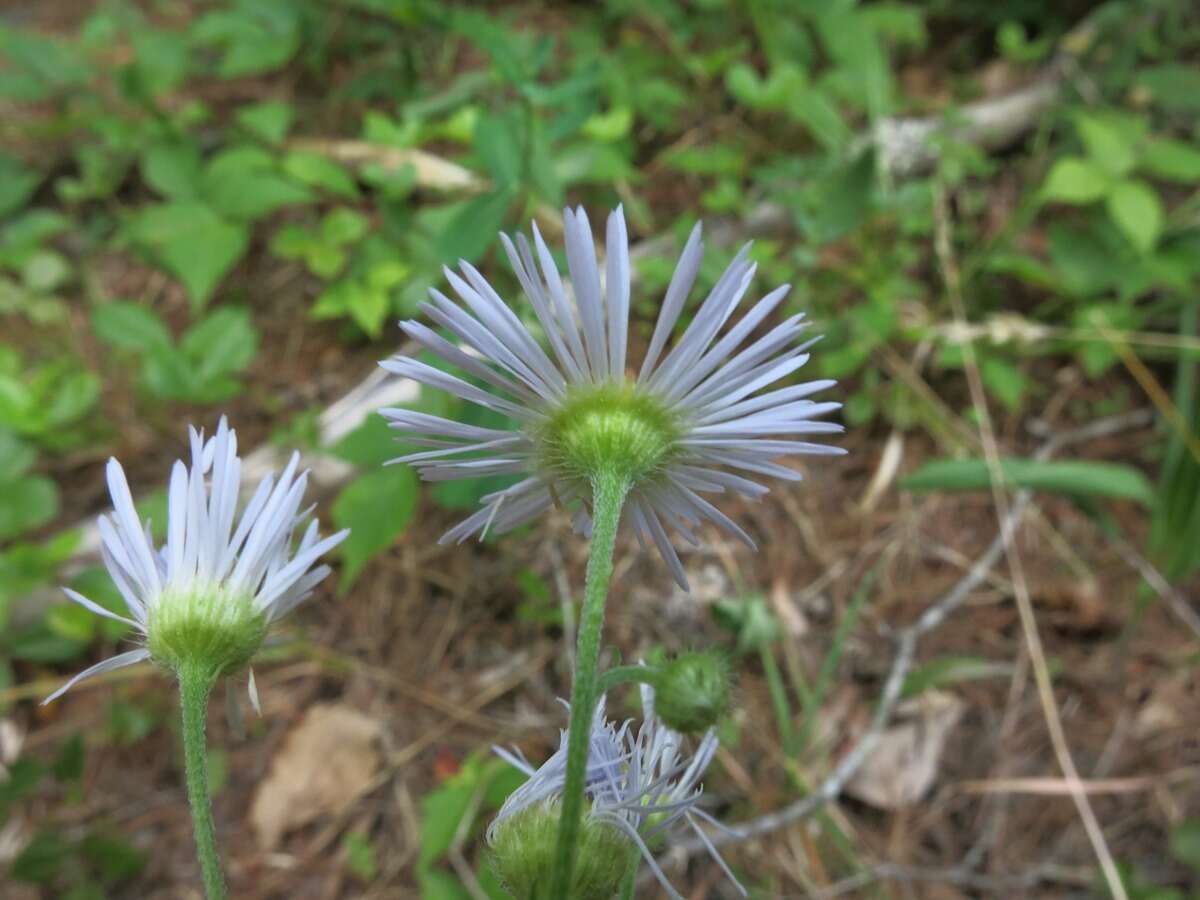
[
  {"x": 195, "y": 684},
  {"x": 609, "y": 490}
]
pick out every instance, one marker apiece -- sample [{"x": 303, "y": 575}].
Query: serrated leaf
[
  {"x": 1137, "y": 211},
  {"x": 1075, "y": 180},
  {"x": 130, "y": 326},
  {"x": 377, "y": 507},
  {"x": 192, "y": 242},
  {"x": 1077, "y": 477}
]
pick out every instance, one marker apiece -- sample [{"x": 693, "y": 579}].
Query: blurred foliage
[{"x": 164, "y": 163}]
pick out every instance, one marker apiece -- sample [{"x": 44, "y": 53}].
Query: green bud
[
  {"x": 213, "y": 630},
  {"x": 522, "y": 850},
  {"x": 691, "y": 692},
  {"x": 608, "y": 428}
]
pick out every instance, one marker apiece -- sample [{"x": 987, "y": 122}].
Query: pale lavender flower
[
  {"x": 210, "y": 576},
  {"x": 725, "y": 421},
  {"x": 644, "y": 785}
]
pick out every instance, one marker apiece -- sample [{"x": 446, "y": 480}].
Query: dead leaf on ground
[
  {"x": 324, "y": 764},
  {"x": 905, "y": 762}
]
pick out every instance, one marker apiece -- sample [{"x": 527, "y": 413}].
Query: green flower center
[
  {"x": 204, "y": 626},
  {"x": 611, "y": 429}
]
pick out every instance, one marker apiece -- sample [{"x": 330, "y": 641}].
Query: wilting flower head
[
  {"x": 640, "y": 786},
  {"x": 208, "y": 596},
  {"x": 693, "y": 420}
]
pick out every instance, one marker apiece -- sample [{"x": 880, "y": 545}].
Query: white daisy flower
[
  {"x": 696, "y": 419},
  {"x": 209, "y": 594},
  {"x": 643, "y": 785}
]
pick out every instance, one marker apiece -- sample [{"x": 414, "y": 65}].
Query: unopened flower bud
[
  {"x": 523, "y": 846},
  {"x": 692, "y": 691}
]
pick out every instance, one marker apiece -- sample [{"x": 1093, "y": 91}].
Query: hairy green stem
[
  {"x": 608, "y": 496},
  {"x": 195, "y": 684},
  {"x": 630, "y": 880},
  {"x": 619, "y": 675}
]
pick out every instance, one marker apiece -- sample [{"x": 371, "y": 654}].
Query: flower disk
[{"x": 696, "y": 419}]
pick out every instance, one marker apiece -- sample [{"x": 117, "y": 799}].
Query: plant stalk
[
  {"x": 195, "y": 684},
  {"x": 608, "y": 496}
]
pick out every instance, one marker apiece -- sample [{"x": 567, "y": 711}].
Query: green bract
[
  {"x": 205, "y": 627},
  {"x": 611, "y": 429},
  {"x": 523, "y": 854}
]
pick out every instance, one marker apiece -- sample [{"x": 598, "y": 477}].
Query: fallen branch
[{"x": 906, "y": 643}]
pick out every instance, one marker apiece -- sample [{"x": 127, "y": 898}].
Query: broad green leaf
[
  {"x": 168, "y": 373},
  {"x": 26, "y": 504},
  {"x": 344, "y": 225},
  {"x": 1077, "y": 477},
  {"x": 192, "y": 242},
  {"x": 369, "y": 445},
  {"x": 1004, "y": 381},
  {"x": 498, "y": 144},
  {"x": 223, "y": 343},
  {"x": 74, "y": 392},
  {"x": 256, "y": 37},
  {"x": 1138, "y": 212},
  {"x": 16, "y": 458},
  {"x": 1173, "y": 86},
  {"x": 1172, "y": 160},
  {"x": 1075, "y": 180},
  {"x": 173, "y": 169},
  {"x": 244, "y": 182},
  {"x": 17, "y": 183},
  {"x": 377, "y": 507},
  {"x": 130, "y": 326},
  {"x": 473, "y": 227},
  {"x": 269, "y": 121},
  {"x": 45, "y": 271},
  {"x": 320, "y": 171},
  {"x": 1109, "y": 141}
]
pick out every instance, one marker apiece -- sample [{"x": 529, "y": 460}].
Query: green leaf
[
  {"x": 472, "y": 229},
  {"x": 377, "y": 507},
  {"x": 1172, "y": 160},
  {"x": 17, "y": 183},
  {"x": 369, "y": 445},
  {"x": 115, "y": 857},
  {"x": 498, "y": 144},
  {"x": 256, "y": 37},
  {"x": 192, "y": 242},
  {"x": 26, "y": 504},
  {"x": 320, "y": 171},
  {"x": 269, "y": 121},
  {"x": 1077, "y": 477},
  {"x": 16, "y": 458},
  {"x": 223, "y": 343},
  {"x": 1138, "y": 212},
  {"x": 1185, "y": 843},
  {"x": 1075, "y": 180},
  {"x": 1174, "y": 86},
  {"x": 344, "y": 226},
  {"x": 45, "y": 271},
  {"x": 42, "y": 858},
  {"x": 360, "y": 855},
  {"x": 97, "y": 585},
  {"x": 1109, "y": 141},
  {"x": 949, "y": 670},
  {"x": 243, "y": 183},
  {"x": 130, "y": 326},
  {"x": 173, "y": 169}
]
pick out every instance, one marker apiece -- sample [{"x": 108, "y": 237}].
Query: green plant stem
[
  {"x": 778, "y": 694},
  {"x": 195, "y": 684},
  {"x": 608, "y": 496},
  {"x": 626, "y": 675},
  {"x": 630, "y": 880}
]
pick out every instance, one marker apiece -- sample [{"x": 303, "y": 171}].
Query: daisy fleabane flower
[
  {"x": 699, "y": 418},
  {"x": 207, "y": 597},
  {"x": 639, "y": 786}
]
